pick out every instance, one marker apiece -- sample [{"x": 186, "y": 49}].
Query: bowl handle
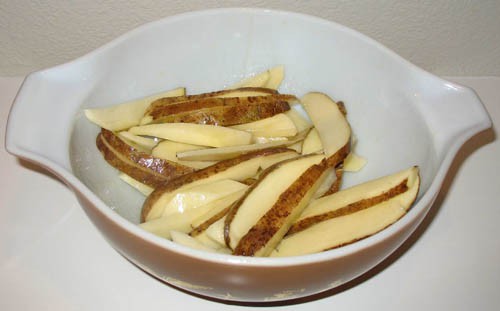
[
  {"x": 41, "y": 118},
  {"x": 457, "y": 117}
]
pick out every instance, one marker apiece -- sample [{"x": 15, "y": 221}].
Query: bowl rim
[{"x": 422, "y": 204}]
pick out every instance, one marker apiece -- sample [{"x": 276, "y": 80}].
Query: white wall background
[{"x": 447, "y": 37}]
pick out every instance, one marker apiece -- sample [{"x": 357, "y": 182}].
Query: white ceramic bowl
[{"x": 401, "y": 115}]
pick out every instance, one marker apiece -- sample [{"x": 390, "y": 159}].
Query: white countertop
[{"x": 53, "y": 258}]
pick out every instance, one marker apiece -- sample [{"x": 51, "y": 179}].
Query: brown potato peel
[{"x": 139, "y": 165}]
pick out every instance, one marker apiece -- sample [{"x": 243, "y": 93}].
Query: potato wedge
[
  {"x": 352, "y": 224},
  {"x": 263, "y": 196},
  {"x": 160, "y": 103},
  {"x": 200, "y": 224},
  {"x": 299, "y": 117},
  {"x": 123, "y": 116},
  {"x": 216, "y": 231},
  {"x": 168, "y": 150},
  {"x": 354, "y": 162},
  {"x": 195, "y": 212},
  {"x": 222, "y": 111},
  {"x": 264, "y": 140},
  {"x": 356, "y": 198},
  {"x": 190, "y": 198},
  {"x": 206, "y": 240},
  {"x": 142, "y": 188},
  {"x": 263, "y": 236},
  {"x": 212, "y": 102},
  {"x": 247, "y": 92},
  {"x": 270, "y": 78},
  {"x": 278, "y": 125},
  {"x": 312, "y": 142},
  {"x": 139, "y": 165},
  {"x": 227, "y": 115},
  {"x": 223, "y": 153},
  {"x": 297, "y": 147},
  {"x": 239, "y": 168},
  {"x": 141, "y": 143},
  {"x": 329, "y": 119},
  {"x": 258, "y": 80},
  {"x": 195, "y": 134},
  {"x": 326, "y": 185},
  {"x": 335, "y": 186},
  {"x": 186, "y": 240},
  {"x": 276, "y": 76}
]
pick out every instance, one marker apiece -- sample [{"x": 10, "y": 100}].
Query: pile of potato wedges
[{"x": 247, "y": 170}]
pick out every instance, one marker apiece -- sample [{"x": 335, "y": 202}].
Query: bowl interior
[{"x": 208, "y": 51}]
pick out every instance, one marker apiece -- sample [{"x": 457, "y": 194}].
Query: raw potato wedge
[
  {"x": 123, "y": 116},
  {"x": 364, "y": 217},
  {"x": 213, "y": 102},
  {"x": 193, "y": 197},
  {"x": 139, "y": 165},
  {"x": 168, "y": 150},
  {"x": 276, "y": 76},
  {"x": 238, "y": 92},
  {"x": 263, "y": 196},
  {"x": 239, "y": 169},
  {"x": 158, "y": 105},
  {"x": 218, "y": 211},
  {"x": 247, "y": 92},
  {"x": 258, "y": 80},
  {"x": 195, "y": 134},
  {"x": 204, "y": 239},
  {"x": 227, "y": 115},
  {"x": 354, "y": 162},
  {"x": 335, "y": 186},
  {"x": 326, "y": 185},
  {"x": 142, "y": 188},
  {"x": 277, "y": 125},
  {"x": 297, "y": 146},
  {"x": 329, "y": 119},
  {"x": 223, "y": 111},
  {"x": 196, "y": 212},
  {"x": 264, "y": 140},
  {"x": 141, "y": 143},
  {"x": 263, "y": 237},
  {"x": 186, "y": 240},
  {"x": 223, "y": 153},
  {"x": 298, "y": 117},
  {"x": 312, "y": 142},
  {"x": 356, "y": 198},
  {"x": 270, "y": 78},
  {"x": 269, "y": 161},
  {"x": 216, "y": 231}
]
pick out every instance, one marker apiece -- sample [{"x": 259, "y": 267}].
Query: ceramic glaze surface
[{"x": 401, "y": 115}]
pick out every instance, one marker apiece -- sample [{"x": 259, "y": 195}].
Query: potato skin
[
  {"x": 212, "y": 102},
  {"x": 139, "y": 165},
  {"x": 332, "y": 161},
  {"x": 223, "y": 111},
  {"x": 335, "y": 186},
  {"x": 162, "y": 102},
  {"x": 199, "y": 229},
  {"x": 234, "y": 208},
  {"x": 278, "y": 216},
  {"x": 350, "y": 208},
  {"x": 228, "y": 115},
  {"x": 339, "y": 156}
]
